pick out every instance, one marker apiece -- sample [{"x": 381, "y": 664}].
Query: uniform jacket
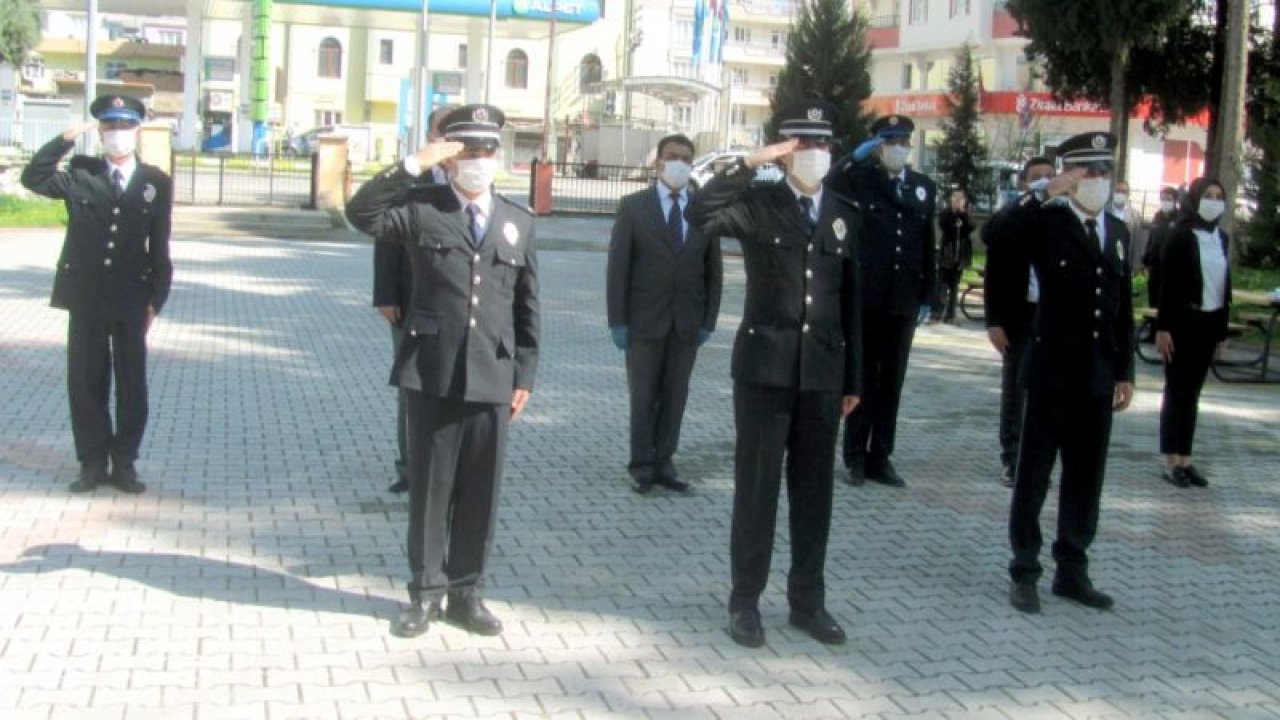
[
  {"x": 1008, "y": 273},
  {"x": 1083, "y": 335},
  {"x": 802, "y": 312},
  {"x": 650, "y": 286},
  {"x": 115, "y": 256},
  {"x": 1182, "y": 284},
  {"x": 472, "y": 326},
  {"x": 392, "y": 272},
  {"x": 896, "y": 237}
]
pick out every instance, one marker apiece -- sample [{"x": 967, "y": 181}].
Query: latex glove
[
  {"x": 923, "y": 314},
  {"x": 621, "y": 336},
  {"x": 861, "y": 152},
  {"x": 703, "y": 336}
]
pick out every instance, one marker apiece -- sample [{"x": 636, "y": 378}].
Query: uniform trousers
[
  {"x": 456, "y": 453},
  {"x": 658, "y": 371},
  {"x": 1195, "y": 338},
  {"x": 773, "y": 424},
  {"x": 97, "y": 348},
  {"x": 402, "y": 412},
  {"x": 1011, "y": 392},
  {"x": 886, "y": 348},
  {"x": 1076, "y": 426}
]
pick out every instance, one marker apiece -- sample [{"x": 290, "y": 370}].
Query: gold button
[
  {"x": 110, "y": 245},
  {"x": 777, "y": 241},
  {"x": 473, "y": 322},
  {"x": 107, "y": 261},
  {"x": 113, "y": 228},
  {"x": 475, "y": 300},
  {"x": 808, "y": 299},
  {"x": 808, "y": 273},
  {"x": 115, "y": 211},
  {"x": 477, "y": 257},
  {"x": 805, "y": 328},
  {"x": 475, "y": 280}
]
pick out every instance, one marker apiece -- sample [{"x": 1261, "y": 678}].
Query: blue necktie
[
  {"x": 806, "y": 206},
  {"x": 477, "y": 232},
  {"x": 675, "y": 222}
]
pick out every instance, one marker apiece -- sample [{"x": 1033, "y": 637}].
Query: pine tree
[
  {"x": 961, "y": 152},
  {"x": 19, "y": 30},
  {"x": 828, "y": 58}
]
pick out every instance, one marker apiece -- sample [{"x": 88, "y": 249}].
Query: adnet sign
[{"x": 573, "y": 11}]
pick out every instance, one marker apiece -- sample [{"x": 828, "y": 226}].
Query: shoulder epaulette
[{"x": 523, "y": 208}]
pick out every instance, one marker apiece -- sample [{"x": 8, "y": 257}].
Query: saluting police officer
[
  {"x": 795, "y": 360},
  {"x": 1079, "y": 366},
  {"x": 469, "y": 360},
  {"x": 113, "y": 278},
  {"x": 899, "y": 273}
]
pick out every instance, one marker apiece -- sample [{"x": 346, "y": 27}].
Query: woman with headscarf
[{"x": 1195, "y": 299}]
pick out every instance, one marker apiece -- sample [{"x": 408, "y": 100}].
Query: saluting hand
[
  {"x": 518, "y": 400},
  {"x": 1123, "y": 396},
  {"x": 771, "y": 153},
  {"x": 70, "y": 134},
  {"x": 391, "y": 313},
  {"x": 435, "y": 152},
  {"x": 1063, "y": 182}
]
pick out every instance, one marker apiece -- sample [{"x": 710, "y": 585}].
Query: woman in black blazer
[{"x": 1195, "y": 299}]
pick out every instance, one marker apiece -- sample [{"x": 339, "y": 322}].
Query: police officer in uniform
[
  {"x": 469, "y": 360},
  {"x": 113, "y": 278},
  {"x": 899, "y": 274},
  {"x": 795, "y": 360},
  {"x": 1079, "y": 366}
]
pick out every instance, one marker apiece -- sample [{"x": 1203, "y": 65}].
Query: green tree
[
  {"x": 19, "y": 30},
  {"x": 828, "y": 58},
  {"x": 962, "y": 154}
]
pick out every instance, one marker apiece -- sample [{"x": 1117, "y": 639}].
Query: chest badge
[
  {"x": 838, "y": 227},
  {"x": 149, "y": 192},
  {"x": 921, "y": 194},
  {"x": 511, "y": 233}
]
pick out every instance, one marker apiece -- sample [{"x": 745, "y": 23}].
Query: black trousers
[
  {"x": 455, "y": 469},
  {"x": 98, "y": 348},
  {"x": 886, "y": 347},
  {"x": 402, "y": 411},
  {"x": 1011, "y": 393},
  {"x": 1076, "y": 426},
  {"x": 773, "y": 424},
  {"x": 658, "y": 373},
  {"x": 948, "y": 292},
  {"x": 1194, "y": 342}
]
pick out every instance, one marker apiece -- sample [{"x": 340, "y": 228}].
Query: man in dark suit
[
  {"x": 1010, "y": 293},
  {"x": 113, "y": 278},
  {"x": 796, "y": 360},
  {"x": 392, "y": 285},
  {"x": 1079, "y": 366},
  {"x": 899, "y": 272},
  {"x": 663, "y": 295},
  {"x": 469, "y": 360}
]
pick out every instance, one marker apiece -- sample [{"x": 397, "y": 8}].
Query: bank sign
[{"x": 573, "y": 11}]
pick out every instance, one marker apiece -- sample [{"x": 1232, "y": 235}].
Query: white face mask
[
  {"x": 119, "y": 143},
  {"x": 1093, "y": 193},
  {"x": 895, "y": 157},
  {"x": 809, "y": 167},
  {"x": 1120, "y": 200},
  {"x": 1210, "y": 210},
  {"x": 1038, "y": 186},
  {"x": 475, "y": 175},
  {"x": 675, "y": 173},
  {"x": 1166, "y": 206}
]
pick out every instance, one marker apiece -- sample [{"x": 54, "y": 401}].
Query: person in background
[
  {"x": 1161, "y": 225},
  {"x": 1122, "y": 207},
  {"x": 955, "y": 252},
  {"x": 1191, "y": 327}
]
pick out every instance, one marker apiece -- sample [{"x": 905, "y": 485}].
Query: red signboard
[{"x": 1025, "y": 105}]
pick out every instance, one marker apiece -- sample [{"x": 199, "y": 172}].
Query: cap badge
[
  {"x": 149, "y": 192},
  {"x": 480, "y": 115},
  {"x": 1099, "y": 142},
  {"x": 815, "y": 113},
  {"x": 893, "y": 119},
  {"x": 511, "y": 233},
  {"x": 921, "y": 193},
  {"x": 838, "y": 227},
  {"x": 117, "y": 103}
]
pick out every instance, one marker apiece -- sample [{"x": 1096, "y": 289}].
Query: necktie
[
  {"x": 477, "y": 232},
  {"x": 117, "y": 182},
  {"x": 675, "y": 222},
  {"x": 806, "y": 206},
  {"x": 1091, "y": 225}
]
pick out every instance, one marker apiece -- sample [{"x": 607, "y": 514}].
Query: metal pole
[
  {"x": 1230, "y": 138},
  {"x": 488, "y": 50},
  {"x": 418, "y": 133},
  {"x": 90, "y": 70},
  {"x": 551, "y": 67}
]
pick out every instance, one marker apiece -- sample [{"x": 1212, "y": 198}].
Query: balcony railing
[
  {"x": 772, "y": 8},
  {"x": 883, "y": 32}
]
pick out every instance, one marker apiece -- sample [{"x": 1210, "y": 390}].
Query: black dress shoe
[
  {"x": 641, "y": 485},
  {"x": 399, "y": 486},
  {"x": 884, "y": 473},
  {"x": 745, "y": 628},
  {"x": 125, "y": 479},
  {"x": 1082, "y": 591},
  {"x": 820, "y": 626},
  {"x": 470, "y": 614},
  {"x": 855, "y": 472},
  {"x": 671, "y": 482},
  {"x": 91, "y": 476},
  {"x": 1006, "y": 476},
  {"x": 1194, "y": 477},
  {"x": 1176, "y": 477},
  {"x": 415, "y": 619},
  {"x": 1024, "y": 597}
]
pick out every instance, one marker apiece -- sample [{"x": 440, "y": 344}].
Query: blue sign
[{"x": 572, "y": 11}]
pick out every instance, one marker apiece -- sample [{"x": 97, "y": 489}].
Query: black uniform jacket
[
  {"x": 392, "y": 271},
  {"x": 650, "y": 286},
  {"x": 802, "y": 314},
  {"x": 1182, "y": 284},
  {"x": 115, "y": 257},
  {"x": 896, "y": 238},
  {"x": 1004, "y": 291},
  {"x": 1083, "y": 335},
  {"x": 473, "y": 322}
]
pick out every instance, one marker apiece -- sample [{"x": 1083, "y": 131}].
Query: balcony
[
  {"x": 883, "y": 32},
  {"x": 751, "y": 95},
  {"x": 755, "y": 53},
  {"x": 757, "y": 10},
  {"x": 1002, "y": 23}
]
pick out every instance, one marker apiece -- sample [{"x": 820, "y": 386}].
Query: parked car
[
  {"x": 713, "y": 162},
  {"x": 304, "y": 144}
]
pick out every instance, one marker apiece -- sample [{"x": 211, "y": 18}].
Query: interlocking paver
[{"x": 256, "y": 577}]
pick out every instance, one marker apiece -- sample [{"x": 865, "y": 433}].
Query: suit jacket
[
  {"x": 115, "y": 255},
  {"x": 392, "y": 272},
  {"x": 1083, "y": 336},
  {"x": 472, "y": 327},
  {"x": 650, "y": 286},
  {"x": 1182, "y": 285},
  {"x": 1008, "y": 273},
  {"x": 802, "y": 314},
  {"x": 896, "y": 236}
]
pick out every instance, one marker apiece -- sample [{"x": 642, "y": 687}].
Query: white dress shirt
[{"x": 1213, "y": 270}]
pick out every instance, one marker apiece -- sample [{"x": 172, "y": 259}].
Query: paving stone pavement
[{"x": 257, "y": 575}]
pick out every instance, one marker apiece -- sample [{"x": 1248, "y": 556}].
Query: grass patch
[
  {"x": 31, "y": 212},
  {"x": 1247, "y": 278}
]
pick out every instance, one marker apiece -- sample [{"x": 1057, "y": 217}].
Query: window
[
  {"x": 919, "y": 12},
  {"x": 778, "y": 39},
  {"x": 590, "y": 71},
  {"x": 220, "y": 69},
  {"x": 741, "y": 35},
  {"x": 959, "y": 7},
  {"x": 517, "y": 70},
  {"x": 908, "y": 71},
  {"x": 170, "y": 37},
  {"x": 386, "y": 51},
  {"x": 773, "y": 80},
  {"x": 33, "y": 69},
  {"x": 328, "y": 117},
  {"x": 329, "y": 59},
  {"x": 738, "y": 116},
  {"x": 739, "y": 77},
  {"x": 111, "y": 69},
  {"x": 462, "y": 56},
  {"x": 681, "y": 69},
  {"x": 684, "y": 34},
  {"x": 683, "y": 115}
]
